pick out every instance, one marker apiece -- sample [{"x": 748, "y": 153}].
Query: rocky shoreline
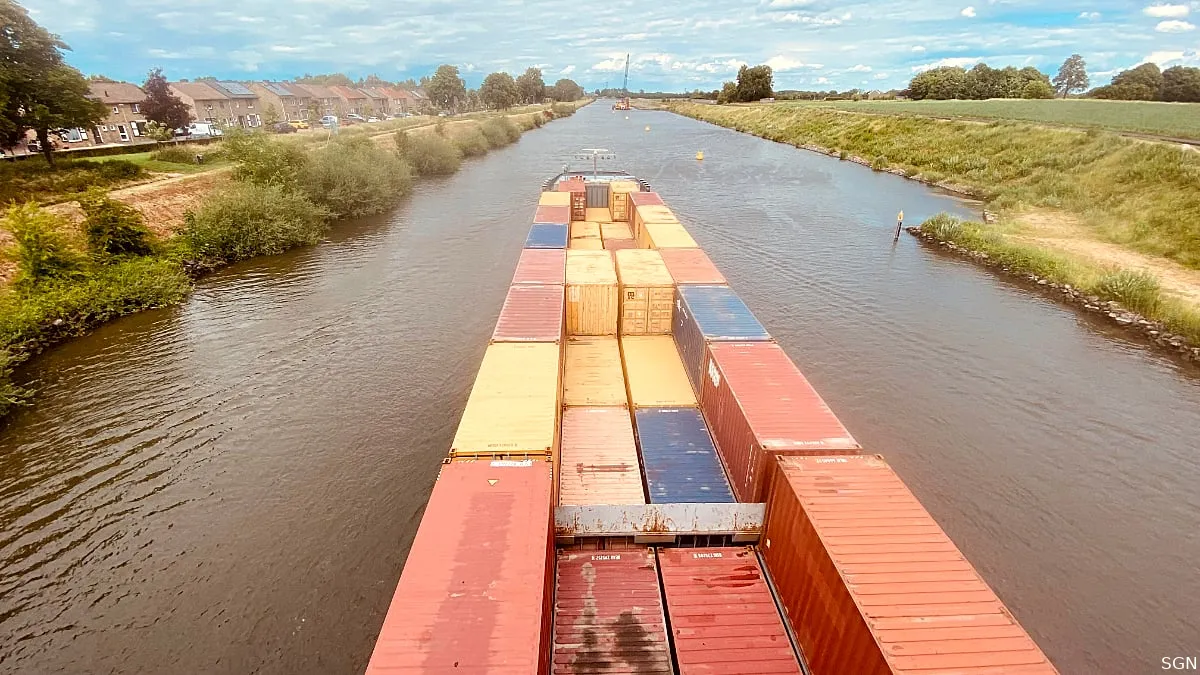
[{"x": 1154, "y": 331}]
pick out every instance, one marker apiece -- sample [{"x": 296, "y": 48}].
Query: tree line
[{"x": 980, "y": 82}]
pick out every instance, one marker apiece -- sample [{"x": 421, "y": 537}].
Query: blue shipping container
[
  {"x": 705, "y": 314},
  {"x": 547, "y": 235},
  {"x": 678, "y": 457}
]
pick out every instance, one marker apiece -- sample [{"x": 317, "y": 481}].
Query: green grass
[
  {"x": 146, "y": 161},
  {"x": 1176, "y": 120}
]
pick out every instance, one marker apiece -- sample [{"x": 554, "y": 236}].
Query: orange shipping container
[
  {"x": 599, "y": 459},
  {"x": 618, "y": 198},
  {"x": 654, "y": 373},
  {"x": 587, "y": 244},
  {"x": 541, "y": 266},
  {"x": 591, "y": 293},
  {"x": 664, "y": 235},
  {"x": 651, "y": 214},
  {"x": 647, "y": 293},
  {"x": 514, "y": 403},
  {"x": 871, "y": 583},
  {"x": 691, "y": 266},
  {"x": 554, "y": 199},
  {"x": 592, "y": 374},
  {"x": 615, "y": 231},
  {"x": 585, "y": 229},
  {"x": 598, "y": 215},
  {"x": 619, "y": 244}
]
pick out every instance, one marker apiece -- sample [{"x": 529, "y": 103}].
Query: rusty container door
[
  {"x": 723, "y": 617},
  {"x": 531, "y": 314}
]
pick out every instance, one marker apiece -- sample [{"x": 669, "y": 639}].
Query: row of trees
[
  {"x": 499, "y": 91},
  {"x": 1148, "y": 83},
  {"x": 980, "y": 82},
  {"x": 753, "y": 83}
]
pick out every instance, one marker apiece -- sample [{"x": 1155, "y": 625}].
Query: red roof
[{"x": 348, "y": 93}]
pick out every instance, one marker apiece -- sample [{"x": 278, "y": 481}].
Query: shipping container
[
  {"x": 588, "y": 244},
  {"x": 560, "y": 215},
  {"x": 691, "y": 266},
  {"x": 592, "y": 374},
  {"x": 615, "y": 231},
  {"x": 647, "y": 293},
  {"x": 585, "y": 229},
  {"x": 597, "y": 196},
  {"x": 476, "y": 591},
  {"x": 575, "y": 184},
  {"x": 758, "y": 404},
  {"x": 591, "y": 293},
  {"x": 513, "y": 406},
  {"x": 531, "y": 314},
  {"x": 710, "y": 313},
  {"x": 599, "y": 214},
  {"x": 679, "y": 459},
  {"x": 619, "y": 244},
  {"x": 723, "y": 617},
  {"x": 873, "y": 586},
  {"x": 618, "y": 198},
  {"x": 654, "y": 372},
  {"x": 651, "y": 214},
  {"x": 609, "y": 614},
  {"x": 541, "y": 266},
  {"x": 546, "y": 235},
  {"x": 664, "y": 235},
  {"x": 599, "y": 461},
  {"x": 645, "y": 199},
  {"x": 554, "y": 199}
]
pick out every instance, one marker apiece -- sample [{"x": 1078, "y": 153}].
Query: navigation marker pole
[{"x": 899, "y": 226}]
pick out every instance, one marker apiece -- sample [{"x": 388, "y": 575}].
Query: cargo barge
[{"x": 643, "y": 482}]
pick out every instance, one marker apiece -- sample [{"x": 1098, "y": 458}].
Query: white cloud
[
  {"x": 968, "y": 12},
  {"x": 860, "y": 68},
  {"x": 567, "y": 71},
  {"x": 789, "y": 4},
  {"x": 793, "y": 17},
  {"x": 918, "y": 49},
  {"x": 881, "y": 76},
  {"x": 783, "y": 63},
  {"x": 1089, "y": 16},
  {"x": 246, "y": 59},
  {"x": 611, "y": 65},
  {"x": 961, "y": 62},
  {"x": 822, "y": 80},
  {"x": 1174, "y": 26},
  {"x": 1190, "y": 57},
  {"x": 1161, "y": 11}
]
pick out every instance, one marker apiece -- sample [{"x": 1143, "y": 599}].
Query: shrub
[
  {"x": 471, "y": 141},
  {"x": 114, "y": 170},
  {"x": 1138, "y": 290},
  {"x": 355, "y": 178},
  {"x": 248, "y": 220},
  {"x": 113, "y": 228},
  {"x": 11, "y": 395},
  {"x": 500, "y": 131},
  {"x": 178, "y": 154},
  {"x": 263, "y": 159},
  {"x": 43, "y": 250},
  {"x": 562, "y": 110},
  {"x": 34, "y": 179},
  {"x": 432, "y": 155}
]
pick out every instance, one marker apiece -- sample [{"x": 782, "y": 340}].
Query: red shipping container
[
  {"x": 531, "y": 314},
  {"x": 758, "y": 404},
  {"x": 872, "y": 585},
  {"x": 541, "y": 266},
  {"x": 608, "y": 614},
  {"x": 475, "y": 593},
  {"x": 723, "y": 618},
  {"x": 552, "y": 214},
  {"x": 645, "y": 199},
  {"x": 691, "y": 266},
  {"x": 619, "y": 244},
  {"x": 571, "y": 185}
]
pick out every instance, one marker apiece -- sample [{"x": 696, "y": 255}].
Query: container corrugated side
[
  {"x": 478, "y": 574},
  {"x": 513, "y": 406},
  {"x": 678, "y": 458},
  {"x": 707, "y": 313},
  {"x": 588, "y": 244},
  {"x": 592, "y": 373},
  {"x": 546, "y": 235},
  {"x": 619, "y": 244},
  {"x": 757, "y": 404},
  {"x": 618, "y": 199},
  {"x": 654, "y": 372},
  {"x": 591, "y": 293},
  {"x": 651, "y": 214},
  {"x": 541, "y": 266},
  {"x": 554, "y": 199},
  {"x": 599, "y": 460},
  {"x": 723, "y": 618},
  {"x": 552, "y": 214},
  {"x": 870, "y": 582},
  {"x": 691, "y": 266},
  {"x": 609, "y": 614},
  {"x": 585, "y": 229},
  {"x": 647, "y": 292},
  {"x": 645, "y": 199},
  {"x": 531, "y": 314},
  {"x": 665, "y": 235},
  {"x": 615, "y": 231}
]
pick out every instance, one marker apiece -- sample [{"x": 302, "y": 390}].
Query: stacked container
[
  {"x": 552, "y": 214},
  {"x": 664, "y": 235},
  {"x": 513, "y": 406},
  {"x": 599, "y": 464},
  {"x": 591, "y": 293},
  {"x": 547, "y": 235},
  {"x": 691, "y": 266},
  {"x": 555, "y": 199},
  {"x": 678, "y": 457},
  {"x": 531, "y": 313},
  {"x": 651, "y": 214},
  {"x": 706, "y": 314},
  {"x": 578, "y": 191},
  {"x": 541, "y": 266},
  {"x": 585, "y": 235},
  {"x": 654, "y": 373},
  {"x": 647, "y": 292},
  {"x": 618, "y": 199}
]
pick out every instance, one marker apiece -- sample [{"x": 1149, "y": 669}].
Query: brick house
[
  {"x": 291, "y": 102},
  {"x": 214, "y": 102},
  {"x": 125, "y": 122},
  {"x": 324, "y": 99},
  {"x": 380, "y": 103},
  {"x": 246, "y": 108},
  {"x": 399, "y": 100},
  {"x": 353, "y": 100}
]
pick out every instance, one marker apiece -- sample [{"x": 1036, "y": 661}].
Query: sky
[{"x": 673, "y": 45}]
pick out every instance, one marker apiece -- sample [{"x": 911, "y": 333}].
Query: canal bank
[{"x": 230, "y": 485}]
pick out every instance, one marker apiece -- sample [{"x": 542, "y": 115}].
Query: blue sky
[{"x": 811, "y": 44}]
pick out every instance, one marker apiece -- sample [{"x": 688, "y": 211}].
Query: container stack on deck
[{"x": 625, "y": 379}]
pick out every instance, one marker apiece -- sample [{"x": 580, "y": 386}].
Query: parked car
[
  {"x": 202, "y": 130},
  {"x": 372, "y": 119},
  {"x": 299, "y": 124},
  {"x": 354, "y": 117},
  {"x": 329, "y": 121},
  {"x": 283, "y": 128}
]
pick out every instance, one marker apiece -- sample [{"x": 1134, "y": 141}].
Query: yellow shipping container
[
  {"x": 651, "y": 214},
  {"x": 599, "y": 215},
  {"x": 592, "y": 375},
  {"x": 615, "y": 231},
  {"x": 618, "y": 198},
  {"x": 647, "y": 292},
  {"x": 585, "y": 229},
  {"x": 513, "y": 407},
  {"x": 665, "y": 235},
  {"x": 591, "y": 293},
  {"x": 586, "y": 244},
  {"x": 654, "y": 372},
  {"x": 555, "y": 199}
]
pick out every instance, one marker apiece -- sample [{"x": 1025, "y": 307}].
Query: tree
[
  {"x": 1072, "y": 76},
  {"x": 446, "y": 89},
  {"x": 1037, "y": 89},
  {"x": 163, "y": 106},
  {"x": 373, "y": 80},
  {"x": 939, "y": 83},
  {"x": 531, "y": 86},
  {"x": 101, "y": 79},
  {"x": 38, "y": 90},
  {"x": 270, "y": 115},
  {"x": 499, "y": 91},
  {"x": 1142, "y": 83},
  {"x": 728, "y": 93},
  {"x": 1182, "y": 84},
  {"x": 566, "y": 90},
  {"x": 330, "y": 80},
  {"x": 754, "y": 83},
  {"x": 158, "y": 131}
]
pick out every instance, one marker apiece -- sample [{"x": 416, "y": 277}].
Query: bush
[
  {"x": 32, "y": 178},
  {"x": 113, "y": 228},
  {"x": 42, "y": 251},
  {"x": 11, "y": 395},
  {"x": 263, "y": 159},
  {"x": 562, "y": 109},
  {"x": 355, "y": 178},
  {"x": 471, "y": 141},
  {"x": 432, "y": 155},
  {"x": 249, "y": 220},
  {"x": 500, "y": 131},
  {"x": 178, "y": 154},
  {"x": 1138, "y": 291}
]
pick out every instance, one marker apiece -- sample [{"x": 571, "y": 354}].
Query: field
[
  {"x": 1175, "y": 120},
  {"x": 143, "y": 160}
]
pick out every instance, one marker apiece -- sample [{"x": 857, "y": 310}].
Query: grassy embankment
[
  {"x": 282, "y": 194},
  {"x": 1126, "y": 194}
]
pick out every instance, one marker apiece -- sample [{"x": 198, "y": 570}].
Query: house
[
  {"x": 324, "y": 99},
  {"x": 207, "y": 104},
  {"x": 291, "y": 102},
  {"x": 399, "y": 100},
  {"x": 247, "y": 110},
  {"x": 379, "y": 103},
  {"x": 125, "y": 122},
  {"x": 352, "y": 100}
]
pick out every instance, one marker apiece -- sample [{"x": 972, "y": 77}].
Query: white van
[{"x": 203, "y": 130}]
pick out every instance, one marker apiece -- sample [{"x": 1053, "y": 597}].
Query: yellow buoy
[
  {"x": 647, "y": 127},
  {"x": 627, "y": 117},
  {"x": 700, "y": 155}
]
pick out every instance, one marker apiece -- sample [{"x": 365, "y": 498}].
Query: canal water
[{"x": 230, "y": 486}]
